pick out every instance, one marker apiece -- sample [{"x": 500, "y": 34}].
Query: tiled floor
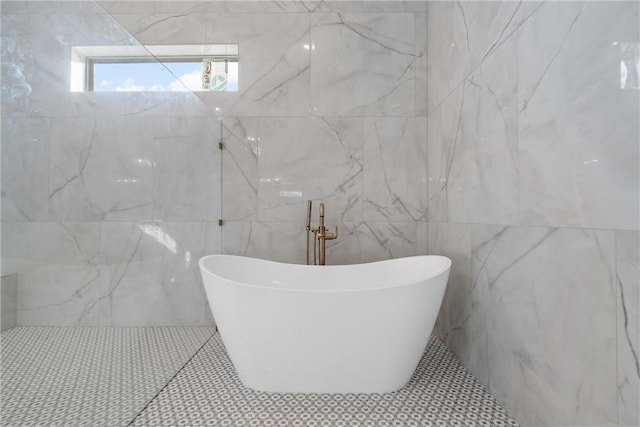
[
  {"x": 93, "y": 376},
  {"x": 88, "y": 376}
]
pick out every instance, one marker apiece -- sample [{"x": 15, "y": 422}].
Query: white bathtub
[{"x": 325, "y": 329}]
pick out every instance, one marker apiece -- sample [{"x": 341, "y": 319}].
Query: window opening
[{"x": 175, "y": 68}]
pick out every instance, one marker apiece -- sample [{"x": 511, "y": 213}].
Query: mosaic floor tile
[
  {"x": 88, "y": 376},
  {"x": 207, "y": 391}
]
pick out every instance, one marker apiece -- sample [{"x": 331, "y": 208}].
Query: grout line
[{"x": 171, "y": 379}]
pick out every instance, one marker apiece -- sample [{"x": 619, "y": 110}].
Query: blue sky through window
[{"x": 153, "y": 76}]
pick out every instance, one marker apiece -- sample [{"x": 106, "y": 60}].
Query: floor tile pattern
[
  {"x": 208, "y": 392},
  {"x": 88, "y": 376}
]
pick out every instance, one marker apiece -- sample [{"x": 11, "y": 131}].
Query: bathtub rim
[{"x": 438, "y": 272}]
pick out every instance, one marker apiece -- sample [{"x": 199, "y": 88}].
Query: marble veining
[
  {"x": 310, "y": 158},
  {"x": 162, "y": 28},
  {"x": 537, "y": 203},
  {"x": 463, "y": 35},
  {"x": 392, "y": 193},
  {"x": 344, "y": 83},
  {"x": 240, "y": 168},
  {"x": 628, "y": 330},
  {"x": 591, "y": 180},
  {"x": 151, "y": 273},
  {"x": 275, "y": 66},
  {"x": 58, "y": 269},
  {"x": 282, "y": 241},
  {"x": 518, "y": 273},
  {"x": 99, "y": 172},
  {"x": 372, "y": 241},
  {"x": 473, "y": 146}
]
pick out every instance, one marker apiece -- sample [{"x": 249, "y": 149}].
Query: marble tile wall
[
  {"x": 533, "y": 192},
  {"x": 8, "y": 301},
  {"x": 109, "y": 199},
  {"x": 331, "y": 106}
]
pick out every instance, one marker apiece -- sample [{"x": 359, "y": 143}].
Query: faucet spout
[
  {"x": 320, "y": 233},
  {"x": 323, "y": 236}
]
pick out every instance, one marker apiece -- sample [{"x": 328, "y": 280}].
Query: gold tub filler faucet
[{"x": 320, "y": 236}]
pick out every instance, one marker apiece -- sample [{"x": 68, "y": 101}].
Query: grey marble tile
[
  {"x": 579, "y": 131},
  {"x": 371, "y": 241},
  {"x": 339, "y": 6},
  {"x": 83, "y": 23},
  {"x": 137, "y": 104},
  {"x": 152, "y": 276},
  {"x": 213, "y": 238},
  {"x": 186, "y": 168},
  {"x": 248, "y": 6},
  {"x": 47, "y": 7},
  {"x": 310, "y": 158},
  {"x": 9, "y": 297},
  {"x": 454, "y": 325},
  {"x": 14, "y": 7},
  {"x": 16, "y": 70},
  {"x": 36, "y": 63},
  {"x": 273, "y": 68},
  {"x": 363, "y": 64},
  {"x": 115, "y": 7},
  {"x": 394, "y": 6},
  {"x": 272, "y": 240},
  {"x": 462, "y": 35},
  {"x": 240, "y": 169},
  {"x": 14, "y": 24},
  {"x": 395, "y": 166},
  {"x": 509, "y": 289},
  {"x": 421, "y": 63},
  {"x": 526, "y": 282},
  {"x": 58, "y": 268},
  {"x": 628, "y": 330},
  {"x": 473, "y": 146},
  {"x": 422, "y": 238},
  {"x": 164, "y": 28},
  {"x": 286, "y": 241},
  {"x": 25, "y": 168},
  {"x": 101, "y": 168},
  {"x": 183, "y": 7}
]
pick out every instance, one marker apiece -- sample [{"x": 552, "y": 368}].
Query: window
[{"x": 154, "y": 68}]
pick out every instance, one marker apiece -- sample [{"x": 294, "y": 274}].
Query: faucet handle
[{"x": 331, "y": 236}]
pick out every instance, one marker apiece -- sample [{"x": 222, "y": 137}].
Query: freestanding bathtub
[{"x": 358, "y": 328}]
